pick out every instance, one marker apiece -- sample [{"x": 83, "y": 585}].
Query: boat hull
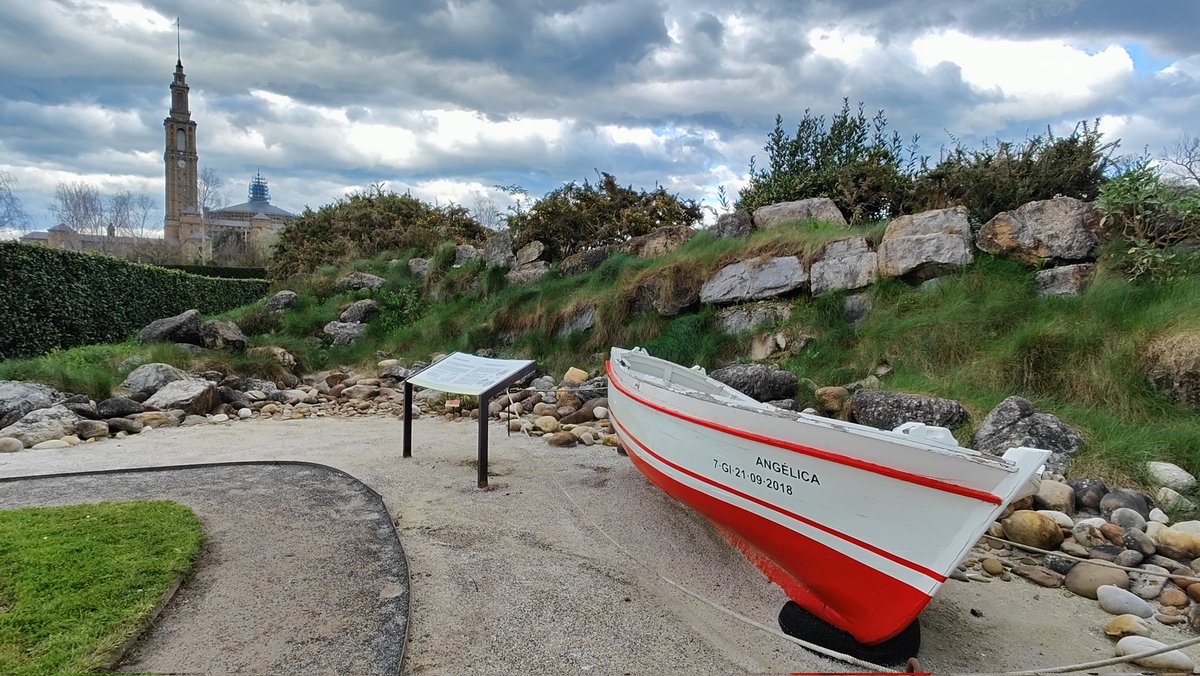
[{"x": 861, "y": 545}]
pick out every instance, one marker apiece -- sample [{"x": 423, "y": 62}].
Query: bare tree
[
  {"x": 80, "y": 207},
  {"x": 12, "y": 217},
  {"x": 154, "y": 250},
  {"x": 210, "y": 197},
  {"x": 1184, "y": 159},
  {"x": 486, "y": 211}
]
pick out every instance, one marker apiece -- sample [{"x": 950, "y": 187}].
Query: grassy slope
[
  {"x": 981, "y": 335},
  {"x": 76, "y": 582}
]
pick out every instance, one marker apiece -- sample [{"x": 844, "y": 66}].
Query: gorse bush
[
  {"x": 1145, "y": 207},
  {"x": 582, "y": 216},
  {"x": 870, "y": 174},
  {"x": 365, "y": 224}
]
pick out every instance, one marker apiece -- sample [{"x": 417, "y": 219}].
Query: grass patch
[{"x": 77, "y": 582}]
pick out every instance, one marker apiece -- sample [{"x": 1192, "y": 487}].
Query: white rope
[{"x": 1098, "y": 562}]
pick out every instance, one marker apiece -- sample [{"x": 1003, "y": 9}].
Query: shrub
[
  {"x": 1145, "y": 207},
  {"x": 583, "y": 216}
]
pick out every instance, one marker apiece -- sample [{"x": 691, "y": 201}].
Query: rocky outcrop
[
  {"x": 812, "y": 209},
  {"x": 758, "y": 381},
  {"x": 888, "y": 410},
  {"x": 360, "y": 311},
  {"x": 221, "y": 335},
  {"x": 750, "y": 316},
  {"x": 843, "y": 264},
  {"x": 530, "y": 252},
  {"x": 658, "y": 243},
  {"x": 582, "y": 319},
  {"x": 754, "y": 279},
  {"x": 42, "y": 424},
  {"x": 498, "y": 250},
  {"x": 1172, "y": 363},
  {"x": 277, "y": 354},
  {"x": 182, "y": 328},
  {"x": 18, "y": 398},
  {"x": 281, "y": 300},
  {"x": 1015, "y": 422},
  {"x": 465, "y": 253},
  {"x": 583, "y": 262},
  {"x": 361, "y": 280},
  {"x": 733, "y": 224},
  {"x": 667, "y": 291},
  {"x": 118, "y": 407},
  {"x": 927, "y": 244},
  {"x": 342, "y": 334},
  {"x": 527, "y": 273},
  {"x": 1065, "y": 280},
  {"x": 191, "y": 396},
  {"x": 150, "y": 378},
  {"x": 418, "y": 266},
  {"x": 1060, "y": 229}
]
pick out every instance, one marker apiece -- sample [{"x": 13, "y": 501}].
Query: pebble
[
  {"x": 244, "y": 413},
  {"x": 600, "y": 413},
  {"x": 1129, "y": 559},
  {"x": 1170, "y": 619},
  {"x": 1074, "y": 549},
  {"x": 993, "y": 566},
  {"x": 1134, "y": 539},
  {"x": 1174, "y": 597},
  {"x": 1060, "y": 518},
  {"x": 1040, "y": 576},
  {"x": 1087, "y": 535},
  {"x": 72, "y": 440},
  {"x": 10, "y": 445},
  {"x": 1193, "y": 591},
  {"x": 561, "y": 439},
  {"x": 1127, "y": 625},
  {"x": 587, "y": 439},
  {"x": 1028, "y": 527},
  {"x": 549, "y": 425},
  {"x": 1159, "y": 516},
  {"x": 1086, "y": 577},
  {"x": 50, "y": 445},
  {"x": 1127, "y": 518},
  {"x": 1174, "y": 660},
  {"x": 1148, "y": 586},
  {"x": 1059, "y": 564},
  {"x": 1117, "y": 601},
  {"x": 220, "y": 418}
]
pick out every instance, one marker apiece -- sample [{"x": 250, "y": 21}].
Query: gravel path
[
  {"x": 300, "y": 571},
  {"x": 517, "y": 580}
]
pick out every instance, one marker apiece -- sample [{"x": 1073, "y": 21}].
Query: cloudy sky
[{"x": 450, "y": 98}]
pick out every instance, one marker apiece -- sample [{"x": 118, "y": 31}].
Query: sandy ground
[{"x": 518, "y": 580}]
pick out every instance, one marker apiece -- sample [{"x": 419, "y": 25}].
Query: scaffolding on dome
[{"x": 258, "y": 189}]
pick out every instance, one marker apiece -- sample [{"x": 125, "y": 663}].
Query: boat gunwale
[{"x": 830, "y": 456}]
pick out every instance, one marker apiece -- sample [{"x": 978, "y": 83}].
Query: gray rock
[
  {"x": 583, "y": 262},
  {"x": 91, "y": 429},
  {"x": 221, "y": 335},
  {"x": 888, "y": 410},
  {"x": 1059, "y": 229},
  {"x": 360, "y": 280},
  {"x": 18, "y": 398},
  {"x": 668, "y": 292},
  {"x": 418, "y": 266},
  {"x": 1088, "y": 492},
  {"x": 843, "y": 264},
  {"x": 42, "y": 424},
  {"x": 733, "y": 224},
  {"x": 192, "y": 396},
  {"x": 1172, "y": 660},
  {"x": 126, "y": 425},
  {"x": 10, "y": 445},
  {"x": 1055, "y": 495},
  {"x": 465, "y": 253},
  {"x": 1125, "y": 497},
  {"x": 342, "y": 334},
  {"x": 281, "y": 300},
  {"x": 151, "y": 377},
  {"x": 785, "y": 404},
  {"x": 1171, "y": 499},
  {"x": 593, "y": 390},
  {"x": 855, "y": 307},
  {"x": 661, "y": 242},
  {"x": 1015, "y": 422},
  {"x": 182, "y": 328},
  {"x": 1148, "y": 585},
  {"x": 1170, "y": 475},
  {"x": 527, "y": 273},
  {"x": 51, "y": 444},
  {"x": 1117, "y": 601},
  {"x": 1085, "y": 578},
  {"x": 812, "y": 209},
  {"x": 582, "y": 319},
  {"x": 1064, "y": 280},
  {"x": 927, "y": 244},
  {"x": 360, "y": 311},
  {"x": 1128, "y": 518},
  {"x": 530, "y": 252},
  {"x": 747, "y": 317},
  {"x": 1137, "y": 541},
  {"x": 1129, "y": 559},
  {"x": 758, "y": 381},
  {"x": 1059, "y": 564},
  {"x": 754, "y": 280},
  {"x": 498, "y": 250},
  {"x": 397, "y": 372},
  {"x": 1088, "y": 535},
  {"x": 193, "y": 420}
]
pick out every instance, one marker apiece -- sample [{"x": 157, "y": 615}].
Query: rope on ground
[
  {"x": 1098, "y": 663},
  {"x": 732, "y": 613},
  {"x": 1098, "y": 562}
]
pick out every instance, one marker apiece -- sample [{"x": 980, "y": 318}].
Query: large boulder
[
  {"x": 583, "y": 262},
  {"x": 667, "y": 291},
  {"x": 118, "y": 407},
  {"x": 1173, "y": 365},
  {"x": 1060, "y": 229},
  {"x": 220, "y": 335},
  {"x": 360, "y": 280},
  {"x": 281, "y": 356},
  {"x": 18, "y": 398},
  {"x": 360, "y": 311},
  {"x": 661, "y": 242},
  {"x": 1064, "y": 280},
  {"x": 498, "y": 250},
  {"x": 888, "y": 410},
  {"x": 182, "y": 328},
  {"x": 418, "y": 266},
  {"x": 843, "y": 264},
  {"x": 194, "y": 397},
  {"x": 281, "y": 300},
  {"x": 42, "y": 424},
  {"x": 927, "y": 244},
  {"x": 530, "y": 252},
  {"x": 151, "y": 377},
  {"x": 758, "y": 381},
  {"x": 812, "y": 209},
  {"x": 754, "y": 279},
  {"x": 747, "y": 317},
  {"x": 582, "y": 319},
  {"x": 465, "y": 253},
  {"x": 1015, "y": 422},
  {"x": 733, "y": 224},
  {"x": 342, "y": 334},
  {"x": 527, "y": 273}
]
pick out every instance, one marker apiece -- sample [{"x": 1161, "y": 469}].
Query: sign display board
[{"x": 467, "y": 374}]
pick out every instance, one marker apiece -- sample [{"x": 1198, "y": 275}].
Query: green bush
[
  {"x": 59, "y": 299},
  {"x": 1142, "y": 206},
  {"x": 223, "y": 272}
]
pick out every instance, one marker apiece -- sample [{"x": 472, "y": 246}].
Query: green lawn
[{"x": 77, "y": 582}]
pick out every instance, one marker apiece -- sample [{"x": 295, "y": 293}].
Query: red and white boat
[{"x": 859, "y": 526}]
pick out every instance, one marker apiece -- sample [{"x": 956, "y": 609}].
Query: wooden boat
[{"x": 859, "y": 526}]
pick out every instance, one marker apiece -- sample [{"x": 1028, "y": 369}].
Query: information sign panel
[{"x": 467, "y": 374}]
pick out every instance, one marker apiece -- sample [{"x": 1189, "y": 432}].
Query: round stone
[
  {"x": 1129, "y": 559},
  {"x": 1127, "y": 625},
  {"x": 600, "y": 412},
  {"x": 561, "y": 439},
  {"x": 1124, "y": 497},
  {"x": 1027, "y": 527},
  {"x": 1127, "y": 518},
  {"x": 1135, "y": 540},
  {"x": 244, "y": 413},
  {"x": 548, "y": 424},
  {"x": 10, "y": 445},
  {"x": 1088, "y": 492},
  {"x": 1174, "y": 660},
  {"x": 1085, "y": 578},
  {"x": 1159, "y": 516},
  {"x": 1148, "y": 583},
  {"x": 1174, "y": 597},
  {"x": 1118, "y": 601},
  {"x": 992, "y": 566}
]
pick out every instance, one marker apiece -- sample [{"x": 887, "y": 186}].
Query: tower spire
[{"x": 178, "y": 45}]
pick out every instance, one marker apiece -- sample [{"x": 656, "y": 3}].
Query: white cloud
[{"x": 841, "y": 45}]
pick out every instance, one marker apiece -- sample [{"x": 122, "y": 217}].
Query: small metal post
[
  {"x": 481, "y": 476},
  {"x": 408, "y": 393}
]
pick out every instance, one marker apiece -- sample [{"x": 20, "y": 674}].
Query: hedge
[
  {"x": 57, "y": 299},
  {"x": 222, "y": 272}
]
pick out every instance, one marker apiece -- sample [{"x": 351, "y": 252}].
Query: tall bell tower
[{"x": 180, "y": 156}]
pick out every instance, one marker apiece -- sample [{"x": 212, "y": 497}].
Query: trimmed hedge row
[
  {"x": 57, "y": 299},
  {"x": 223, "y": 272}
]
